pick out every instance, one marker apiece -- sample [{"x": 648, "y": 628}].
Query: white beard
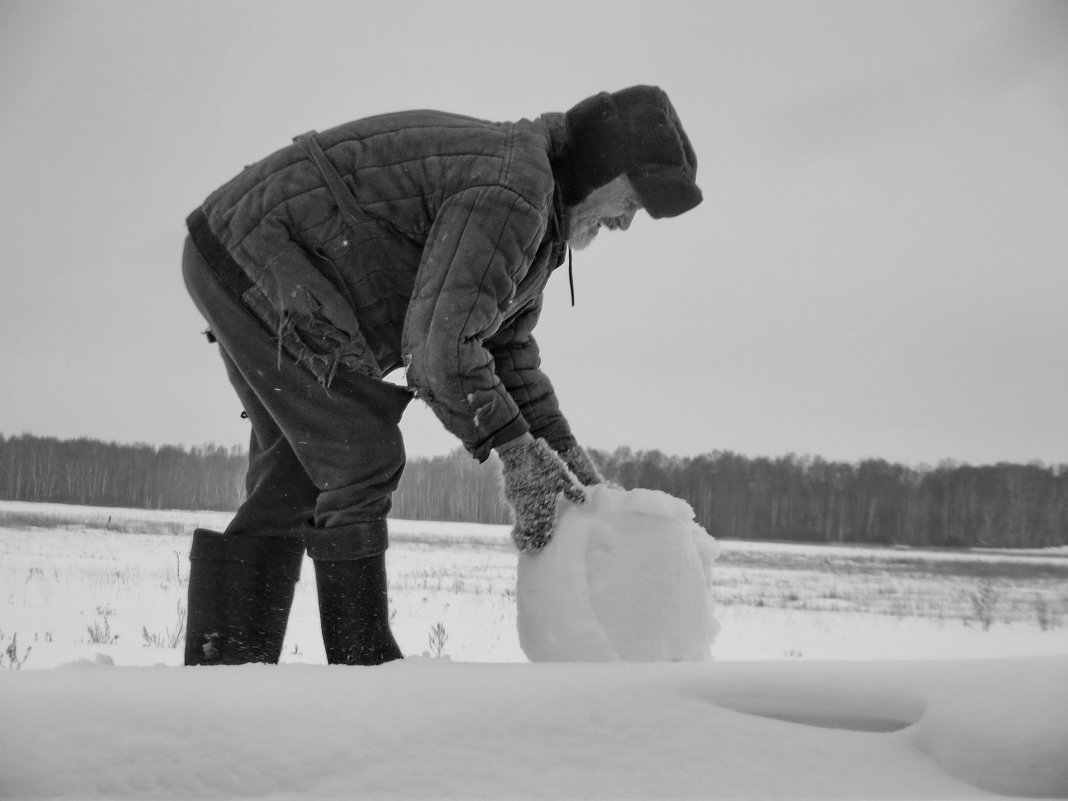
[{"x": 583, "y": 232}]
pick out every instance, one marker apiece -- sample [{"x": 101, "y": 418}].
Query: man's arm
[
  {"x": 481, "y": 244},
  {"x": 515, "y": 353},
  {"x": 518, "y": 365}
]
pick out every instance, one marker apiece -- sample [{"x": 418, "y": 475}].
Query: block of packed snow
[{"x": 626, "y": 576}]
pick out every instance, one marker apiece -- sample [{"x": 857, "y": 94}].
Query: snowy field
[
  {"x": 77, "y": 581},
  {"x": 838, "y": 672}
]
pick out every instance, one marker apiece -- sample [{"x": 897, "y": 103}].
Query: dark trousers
[{"x": 323, "y": 463}]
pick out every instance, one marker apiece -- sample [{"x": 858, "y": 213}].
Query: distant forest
[{"x": 793, "y": 498}]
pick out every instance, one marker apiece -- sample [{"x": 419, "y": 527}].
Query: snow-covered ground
[{"x": 837, "y": 673}]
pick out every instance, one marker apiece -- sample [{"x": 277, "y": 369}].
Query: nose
[{"x": 626, "y": 219}]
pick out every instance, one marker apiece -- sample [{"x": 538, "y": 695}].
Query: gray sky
[{"x": 878, "y": 269}]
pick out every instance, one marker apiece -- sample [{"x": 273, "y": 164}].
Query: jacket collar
[{"x": 557, "y": 129}]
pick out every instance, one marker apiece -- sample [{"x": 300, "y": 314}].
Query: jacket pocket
[{"x": 311, "y": 340}]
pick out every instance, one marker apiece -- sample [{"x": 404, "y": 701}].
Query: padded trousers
[{"x": 323, "y": 463}]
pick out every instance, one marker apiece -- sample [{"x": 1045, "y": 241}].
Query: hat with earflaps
[{"x": 634, "y": 132}]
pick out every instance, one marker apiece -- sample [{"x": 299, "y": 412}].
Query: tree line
[
  {"x": 809, "y": 499},
  {"x": 88, "y": 471},
  {"x": 793, "y": 498}
]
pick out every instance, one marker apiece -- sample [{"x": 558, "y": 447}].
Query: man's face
[{"x": 612, "y": 206}]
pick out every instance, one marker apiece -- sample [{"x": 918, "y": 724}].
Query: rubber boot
[
  {"x": 354, "y": 611},
  {"x": 240, "y": 592}
]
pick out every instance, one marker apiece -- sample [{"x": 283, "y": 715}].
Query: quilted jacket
[{"x": 418, "y": 239}]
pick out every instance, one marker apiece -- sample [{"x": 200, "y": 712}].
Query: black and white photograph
[{"x": 485, "y": 399}]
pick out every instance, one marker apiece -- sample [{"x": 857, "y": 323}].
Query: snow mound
[
  {"x": 425, "y": 728},
  {"x": 98, "y": 661},
  {"x": 626, "y": 577}
]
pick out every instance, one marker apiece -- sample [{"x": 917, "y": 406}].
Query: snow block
[{"x": 626, "y": 576}]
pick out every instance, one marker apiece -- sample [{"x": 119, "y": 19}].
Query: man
[{"x": 420, "y": 240}]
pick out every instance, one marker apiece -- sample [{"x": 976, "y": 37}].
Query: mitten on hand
[
  {"x": 534, "y": 478},
  {"x": 578, "y": 461}
]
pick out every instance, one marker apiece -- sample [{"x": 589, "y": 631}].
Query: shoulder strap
[{"x": 346, "y": 201}]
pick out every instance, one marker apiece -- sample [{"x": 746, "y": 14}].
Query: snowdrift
[{"x": 426, "y": 728}]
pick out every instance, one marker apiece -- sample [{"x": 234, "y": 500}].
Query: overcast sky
[{"x": 878, "y": 270}]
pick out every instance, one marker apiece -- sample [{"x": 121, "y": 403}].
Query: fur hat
[{"x": 634, "y": 132}]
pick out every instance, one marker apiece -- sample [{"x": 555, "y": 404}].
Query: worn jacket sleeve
[
  {"x": 518, "y": 364},
  {"x": 479, "y": 248}
]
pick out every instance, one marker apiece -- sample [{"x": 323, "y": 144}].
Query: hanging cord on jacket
[{"x": 571, "y": 276}]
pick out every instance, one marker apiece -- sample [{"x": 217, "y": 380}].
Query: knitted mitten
[
  {"x": 578, "y": 461},
  {"x": 534, "y": 477}
]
